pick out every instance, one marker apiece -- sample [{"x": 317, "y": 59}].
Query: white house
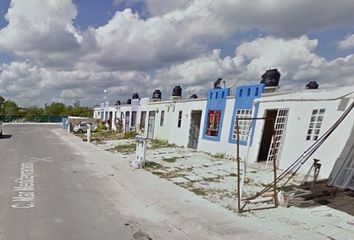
[{"x": 298, "y": 119}]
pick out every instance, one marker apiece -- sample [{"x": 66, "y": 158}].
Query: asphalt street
[
  {"x": 53, "y": 186},
  {"x": 46, "y": 192}
]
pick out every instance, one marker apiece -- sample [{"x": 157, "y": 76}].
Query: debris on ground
[{"x": 317, "y": 209}]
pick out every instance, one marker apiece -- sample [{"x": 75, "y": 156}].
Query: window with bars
[
  {"x": 162, "y": 119},
  {"x": 243, "y": 124},
  {"x": 133, "y": 119},
  {"x": 179, "y": 119},
  {"x": 142, "y": 120},
  {"x": 315, "y": 124},
  {"x": 213, "y": 123}
]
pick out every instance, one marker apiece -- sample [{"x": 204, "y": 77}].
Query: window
[
  {"x": 343, "y": 104},
  {"x": 223, "y": 94},
  {"x": 142, "y": 120},
  {"x": 133, "y": 118},
  {"x": 315, "y": 124},
  {"x": 248, "y": 92},
  {"x": 179, "y": 119},
  {"x": 256, "y": 94},
  {"x": 127, "y": 116},
  {"x": 211, "y": 95},
  {"x": 216, "y": 95},
  {"x": 244, "y": 125},
  {"x": 213, "y": 123},
  {"x": 240, "y": 93},
  {"x": 162, "y": 119}
]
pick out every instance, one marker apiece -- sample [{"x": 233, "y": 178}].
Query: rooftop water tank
[
  {"x": 177, "y": 91},
  {"x": 217, "y": 83},
  {"x": 271, "y": 78},
  {"x": 129, "y": 101},
  {"x": 118, "y": 103},
  {"x": 156, "y": 95},
  {"x": 312, "y": 85},
  {"x": 194, "y": 96},
  {"x": 135, "y": 96}
]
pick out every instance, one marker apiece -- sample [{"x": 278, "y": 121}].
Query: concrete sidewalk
[{"x": 175, "y": 212}]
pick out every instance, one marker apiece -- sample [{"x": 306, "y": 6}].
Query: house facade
[{"x": 294, "y": 121}]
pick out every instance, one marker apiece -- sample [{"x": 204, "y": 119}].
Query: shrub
[
  {"x": 130, "y": 134},
  {"x": 101, "y": 127}
]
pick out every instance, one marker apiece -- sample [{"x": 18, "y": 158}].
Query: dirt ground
[{"x": 324, "y": 213}]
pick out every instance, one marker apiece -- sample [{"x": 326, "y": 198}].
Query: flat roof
[{"x": 309, "y": 95}]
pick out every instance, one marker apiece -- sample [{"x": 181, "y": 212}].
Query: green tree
[
  {"x": 56, "y": 109},
  {"x": 33, "y": 114},
  {"x": 2, "y": 100},
  {"x": 10, "y": 110}
]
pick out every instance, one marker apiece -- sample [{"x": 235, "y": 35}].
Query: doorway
[
  {"x": 277, "y": 123},
  {"x": 151, "y": 125},
  {"x": 110, "y": 121},
  {"x": 127, "y": 120},
  {"x": 194, "y": 129}
]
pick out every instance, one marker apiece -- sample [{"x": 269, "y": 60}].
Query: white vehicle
[{"x": 82, "y": 127}]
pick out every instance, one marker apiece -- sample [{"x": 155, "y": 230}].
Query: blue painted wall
[
  {"x": 244, "y": 98},
  {"x": 216, "y": 102}
]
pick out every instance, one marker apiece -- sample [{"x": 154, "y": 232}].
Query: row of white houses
[{"x": 299, "y": 119}]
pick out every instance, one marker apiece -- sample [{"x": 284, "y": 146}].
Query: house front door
[
  {"x": 194, "y": 129},
  {"x": 151, "y": 125}
]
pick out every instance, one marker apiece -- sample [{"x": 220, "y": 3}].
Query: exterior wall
[
  {"x": 160, "y": 132},
  {"x": 244, "y": 98},
  {"x": 143, "y": 106},
  {"x": 180, "y": 135},
  {"x": 169, "y": 131},
  {"x": 103, "y": 113},
  {"x": 126, "y": 121},
  {"x": 295, "y": 143},
  {"x": 216, "y": 102},
  {"x": 222, "y": 146}
]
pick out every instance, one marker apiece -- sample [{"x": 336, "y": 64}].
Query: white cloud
[
  {"x": 40, "y": 29},
  {"x": 40, "y": 25},
  {"x": 172, "y": 46},
  {"x": 29, "y": 84},
  {"x": 294, "y": 58},
  {"x": 157, "y": 7},
  {"x": 347, "y": 43}
]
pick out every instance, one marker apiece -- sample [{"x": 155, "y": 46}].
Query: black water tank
[
  {"x": 194, "y": 96},
  {"x": 217, "y": 83},
  {"x": 129, "y": 101},
  {"x": 156, "y": 94},
  {"x": 312, "y": 85},
  {"x": 118, "y": 103},
  {"x": 135, "y": 96},
  {"x": 177, "y": 91},
  {"x": 271, "y": 78}
]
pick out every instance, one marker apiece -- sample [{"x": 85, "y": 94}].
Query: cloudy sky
[{"x": 68, "y": 50}]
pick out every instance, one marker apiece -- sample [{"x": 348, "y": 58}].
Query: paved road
[{"x": 67, "y": 201}]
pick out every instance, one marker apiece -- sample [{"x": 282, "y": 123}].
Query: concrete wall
[
  {"x": 222, "y": 146},
  {"x": 180, "y": 135},
  {"x": 294, "y": 141},
  {"x": 169, "y": 130},
  {"x": 143, "y": 106}
]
